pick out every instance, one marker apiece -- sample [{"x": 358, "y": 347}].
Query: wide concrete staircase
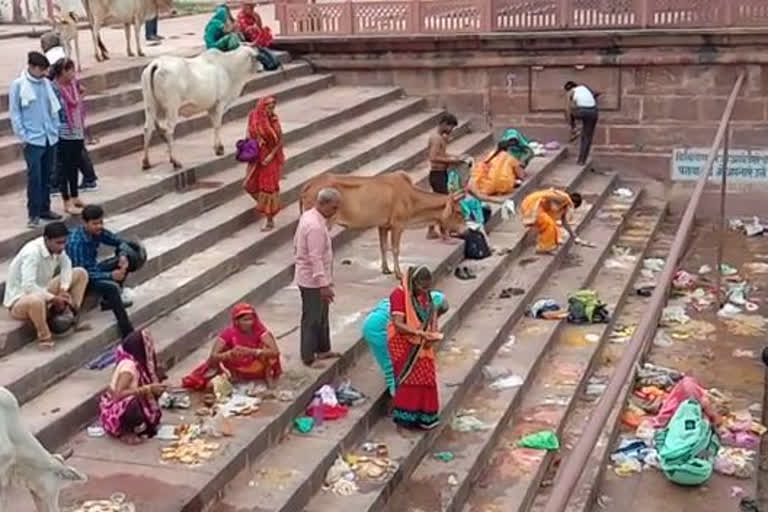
[{"x": 207, "y": 252}]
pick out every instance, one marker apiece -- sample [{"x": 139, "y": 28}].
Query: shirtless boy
[{"x": 440, "y": 160}]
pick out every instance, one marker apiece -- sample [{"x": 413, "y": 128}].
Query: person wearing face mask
[{"x": 34, "y": 112}]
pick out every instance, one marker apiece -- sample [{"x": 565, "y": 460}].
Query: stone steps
[
  {"x": 171, "y": 225},
  {"x": 183, "y": 330},
  {"x": 269, "y": 266},
  {"x": 311, "y": 456},
  {"x": 482, "y": 331},
  {"x": 509, "y": 477}
]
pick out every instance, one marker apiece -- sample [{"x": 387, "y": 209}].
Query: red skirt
[{"x": 416, "y": 403}]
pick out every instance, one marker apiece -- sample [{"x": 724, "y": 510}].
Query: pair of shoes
[
  {"x": 33, "y": 222},
  {"x": 49, "y": 215},
  {"x": 464, "y": 273},
  {"x": 506, "y": 293},
  {"x": 89, "y": 186}
]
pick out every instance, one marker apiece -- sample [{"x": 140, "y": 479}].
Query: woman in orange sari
[
  {"x": 498, "y": 174},
  {"x": 541, "y": 210},
  {"x": 245, "y": 351},
  {"x": 411, "y": 335},
  {"x": 262, "y": 180}
]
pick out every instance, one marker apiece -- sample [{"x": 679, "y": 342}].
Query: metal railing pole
[
  {"x": 721, "y": 244},
  {"x": 573, "y": 466}
]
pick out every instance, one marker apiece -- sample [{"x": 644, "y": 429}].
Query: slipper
[
  {"x": 468, "y": 273},
  {"x": 460, "y": 273}
]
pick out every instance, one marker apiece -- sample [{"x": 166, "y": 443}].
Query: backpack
[
  {"x": 268, "y": 60},
  {"x": 688, "y": 446},
  {"x": 475, "y": 245},
  {"x": 585, "y": 307}
]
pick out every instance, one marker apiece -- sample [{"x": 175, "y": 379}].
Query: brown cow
[{"x": 389, "y": 202}]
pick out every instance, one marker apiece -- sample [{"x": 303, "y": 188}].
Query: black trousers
[
  {"x": 588, "y": 117},
  {"x": 71, "y": 158},
  {"x": 89, "y": 173},
  {"x": 111, "y": 292},
  {"x": 315, "y": 326}
]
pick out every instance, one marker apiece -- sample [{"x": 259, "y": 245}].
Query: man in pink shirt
[{"x": 313, "y": 257}]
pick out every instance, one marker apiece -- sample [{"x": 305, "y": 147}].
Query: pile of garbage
[
  {"x": 685, "y": 430},
  {"x": 329, "y": 403},
  {"x": 118, "y": 502},
  {"x": 372, "y": 466}
]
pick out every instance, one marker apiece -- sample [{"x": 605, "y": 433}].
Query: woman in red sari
[
  {"x": 411, "y": 335},
  {"x": 244, "y": 351},
  {"x": 249, "y": 25},
  {"x": 262, "y": 181}
]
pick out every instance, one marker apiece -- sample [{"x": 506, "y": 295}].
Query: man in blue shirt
[
  {"x": 34, "y": 110},
  {"x": 106, "y": 278}
]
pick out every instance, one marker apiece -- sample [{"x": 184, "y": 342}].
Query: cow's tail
[{"x": 151, "y": 104}]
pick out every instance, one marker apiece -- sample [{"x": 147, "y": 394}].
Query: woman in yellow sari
[
  {"x": 498, "y": 174},
  {"x": 411, "y": 334},
  {"x": 541, "y": 210}
]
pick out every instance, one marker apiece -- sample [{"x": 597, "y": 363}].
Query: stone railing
[{"x": 297, "y": 17}]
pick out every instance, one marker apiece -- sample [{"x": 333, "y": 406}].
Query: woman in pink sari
[
  {"x": 245, "y": 351},
  {"x": 129, "y": 410}
]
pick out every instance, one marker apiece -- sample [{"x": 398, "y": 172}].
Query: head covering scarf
[
  {"x": 215, "y": 27},
  {"x": 265, "y": 125},
  {"x": 244, "y": 309}
]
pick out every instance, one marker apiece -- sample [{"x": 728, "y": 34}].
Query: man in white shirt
[
  {"x": 581, "y": 103},
  {"x": 33, "y": 286}
]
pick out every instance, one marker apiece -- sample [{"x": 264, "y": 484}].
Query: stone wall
[{"x": 658, "y": 90}]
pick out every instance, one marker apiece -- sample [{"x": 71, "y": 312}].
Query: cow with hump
[
  {"x": 210, "y": 83},
  {"x": 129, "y": 13},
  {"x": 24, "y": 462},
  {"x": 389, "y": 202}
]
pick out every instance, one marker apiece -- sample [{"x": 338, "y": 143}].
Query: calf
[
  {"x": 209, "y": 82},
  {"x": 25, "y": 463},
  {"x": 390, "y": 202}
]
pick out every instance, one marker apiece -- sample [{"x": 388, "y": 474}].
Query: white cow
[
  {"x": 209, "y": 82},
  {"x": 126, "y": 12},
  {"x": 25, "y": 463}
]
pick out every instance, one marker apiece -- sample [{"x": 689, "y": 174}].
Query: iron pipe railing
[{"x": 573, "y": 466}]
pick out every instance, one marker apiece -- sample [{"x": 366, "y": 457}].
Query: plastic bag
[{"x": 543, "y": 440}]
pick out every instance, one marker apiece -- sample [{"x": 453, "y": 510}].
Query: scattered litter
[
  {"x": 509, "y": 382},
  {"x": 348, "y": 395},
  {"x": 340, "y": 478},
  {"x": 453, "y": 481},
  {"x": 365, "y": 467},
  {"x": 622, "y": 258},
  {"x": 653, "y": 264},
  {"x": 661, "y": 339},
  {"x": 755, "y": 228},
  {"x": 748, "y": 505},
  {"x": 239, "y": 405},
  {"x": 542, "y": 307},
  {"x": 444, "y": 456},
  {"x": 729, "y": 310},
  {"x": 95, "y": 431},
  {"x": 466, "y": 421},
  {"x": 683, "y": 280},
  {"x": 674, "y": 314},
  {"x": 622, "y": 334},
  {"x": 508, "y": 209},
  {"x": 543, "y": 440},
  {"x": 596, "y": 386},
  {"x": 508, "y": 347},
  {"x": 116, "y": 503},
  {"x": 174, "y": 400},
  {"x": 737, "y": 293},
  {"x": 222, "y": 388},
  {"x": 552, "y": 145},
  {"x": 508, "y": 293},
  {"x": 494, "y": 372},
  {"x": 304, "y": 424},
  {"x": 623, "y": 193},
  {"x": 166, "y": 433},
  {"x": 586, "y": 307},
  {"x": 189, "y": 451},
  {"x": 736, "y": 224},
  {"x": 728, "y": 270},
  {"x": 286, "y": 395},
  {"x": 705, "y": 269},
  {"x": 736, "y": 462},
  {"x": 103, "y": 360},
  {"x": 744, "y": 353},
  {"x": 592, "y": 338},
  {"x": 627, "y": 467}
]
